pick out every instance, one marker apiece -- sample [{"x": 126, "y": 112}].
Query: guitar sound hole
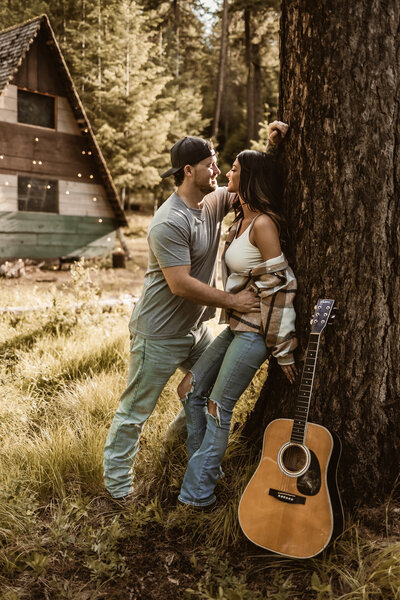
[{"x": 294, "y": 458}]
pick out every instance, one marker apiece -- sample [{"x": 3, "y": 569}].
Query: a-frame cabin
[{"x": 57, "y": 197}]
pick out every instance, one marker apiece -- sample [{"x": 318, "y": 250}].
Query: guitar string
[{"x": 288, "y": 458}]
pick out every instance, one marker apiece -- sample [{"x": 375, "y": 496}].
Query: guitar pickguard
[{"x": 309, "y": 484}]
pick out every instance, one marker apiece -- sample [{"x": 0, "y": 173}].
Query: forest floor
[{"x": 61, "y": 537}]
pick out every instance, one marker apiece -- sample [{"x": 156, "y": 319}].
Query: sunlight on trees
[{"x": 147, "y": 73}]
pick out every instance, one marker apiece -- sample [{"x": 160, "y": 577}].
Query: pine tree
[
  {"x": 251, "y": 89},
  {"x": 147, "y": 75}
]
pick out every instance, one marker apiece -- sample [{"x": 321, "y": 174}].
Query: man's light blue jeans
[
  {"x": 228, "y": 365},
  {"x": 152, "y": 362}
]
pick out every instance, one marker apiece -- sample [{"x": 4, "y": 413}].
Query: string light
[
  {"x": 90, "y": 176},
  {"x": 1, "y": 156},
  {"x": 83, "y": 152},
  {"x": 34, "y": 162},
  {"x": 40, "y": 162},
  {"x": 100, "y": 220},
  {"x": 90, "y": 154},
  {"x": 36, "y": 139},
  {"x": 79, "y": 174},
  {"x": 86, "y": 130},
  {"x": 94, "y": 199},
  {"x": 29, "y": 186},
  {"x": 49, "y": 187},
  {"x": 67, "y": 192},
  {"x": 6, "y": 183}
]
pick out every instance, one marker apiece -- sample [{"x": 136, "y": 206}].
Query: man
[{"x": 168, "y": 322}]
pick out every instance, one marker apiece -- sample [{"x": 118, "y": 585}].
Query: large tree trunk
[
  {"x": 99, "y": 54},
  {"x": 221, "y": 69},
  {"x": 257, "y": 91},
  {"x": 250, "y": 77},
  {"x": 254, "y": 102},
  {"x": 340, "y": 82},
  {"x": 176, "y": 9}
]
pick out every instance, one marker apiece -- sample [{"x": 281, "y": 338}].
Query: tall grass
[{"x": 62, "y": 374}]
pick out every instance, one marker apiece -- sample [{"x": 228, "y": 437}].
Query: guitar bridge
[{"x": 287, "y": 497}]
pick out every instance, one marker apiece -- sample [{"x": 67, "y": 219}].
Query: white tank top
[{"x": 241, "y": 255}]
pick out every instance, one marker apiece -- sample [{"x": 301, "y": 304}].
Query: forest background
[{"x": 148, "y": 73}]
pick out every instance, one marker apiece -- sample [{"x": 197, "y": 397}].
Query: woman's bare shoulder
[
  {"x": 263, "y": 222},
  {"x": 266, "y": 237}
]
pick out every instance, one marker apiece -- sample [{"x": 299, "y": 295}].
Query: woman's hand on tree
[{"x": 276, "y": 132}]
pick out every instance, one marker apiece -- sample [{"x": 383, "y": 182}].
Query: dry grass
[{"x": 62, "y": 374}]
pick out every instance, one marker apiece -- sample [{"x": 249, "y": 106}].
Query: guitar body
[{"x": 294, "y": 515}]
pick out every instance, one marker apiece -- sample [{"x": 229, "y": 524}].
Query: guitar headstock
[{"x": 324, "y": 314}]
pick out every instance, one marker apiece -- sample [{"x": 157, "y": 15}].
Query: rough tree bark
[
  {"x": 257, "y": 91},
  {"x": 254, "y": 103},
  {"x": 99, "y": 54},
  {"x": 221, "y": 68},
  {"x": 340, "y": 93},
  {"x": 250, "y": 77},
  {"x": 176, "y": 9}
]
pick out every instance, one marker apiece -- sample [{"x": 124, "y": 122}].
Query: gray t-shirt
[{"x": 177, "y": 236}]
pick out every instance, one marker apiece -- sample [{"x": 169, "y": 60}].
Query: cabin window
[
  {"x": 37, "y": 195},
  {"x": 36, "y": 109}
]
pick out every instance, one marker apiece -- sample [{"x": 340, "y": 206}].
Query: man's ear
[{"x": 188, "y": 170}]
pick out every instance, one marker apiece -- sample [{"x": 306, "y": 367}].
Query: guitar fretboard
[{"x": 304, "y": 395}]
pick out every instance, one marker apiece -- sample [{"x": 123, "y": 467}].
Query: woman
[{"x": 252, "y": 258}]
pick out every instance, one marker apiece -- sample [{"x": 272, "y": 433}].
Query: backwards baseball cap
[{"x": 188, "y": 151}]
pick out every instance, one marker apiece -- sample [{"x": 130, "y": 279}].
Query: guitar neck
[{"x": 304, "y": 395}]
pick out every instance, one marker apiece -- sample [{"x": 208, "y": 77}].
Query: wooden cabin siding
[
  {"x": 8, "y": 105},
  {"x": 8, "y": 192},
  {"x": 62, "y": 155},
  {"x": 62, "y": 150},
  {"x": 77, "y": 202},
  {"x": 80, "y": 199},
  {"x": 66, "y": 122},
  {"x": 38, "y": 71},
  {"x": 28, "y": 235}
]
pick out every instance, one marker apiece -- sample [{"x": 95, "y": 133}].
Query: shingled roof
[{"x": 14, "y": 45}]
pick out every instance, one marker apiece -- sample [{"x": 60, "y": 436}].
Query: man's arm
[
  {"x": 181, "y": 283},
  {"x": 170, "y": 244}
]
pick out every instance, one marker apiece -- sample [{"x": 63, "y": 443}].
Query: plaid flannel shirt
[{"x": 276, "y": 286}]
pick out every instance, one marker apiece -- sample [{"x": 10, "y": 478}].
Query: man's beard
[{"x": 206, "y": 189}]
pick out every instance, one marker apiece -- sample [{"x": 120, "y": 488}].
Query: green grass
[{"x": 62, "y": 374}]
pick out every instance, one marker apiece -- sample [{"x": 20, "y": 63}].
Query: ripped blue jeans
[
  {"x": 227, "y": 366},
  {"x": 152, "y": 362}
]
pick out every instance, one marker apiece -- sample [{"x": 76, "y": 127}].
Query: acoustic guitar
[{"x": 291, "y": 505}]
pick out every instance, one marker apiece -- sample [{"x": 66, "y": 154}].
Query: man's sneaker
[
  {"x": 124, "y": 501},
  {"x": 204, "y": 509}
]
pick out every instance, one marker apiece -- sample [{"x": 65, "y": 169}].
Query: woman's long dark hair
[{"x": 260, "y": 187}]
